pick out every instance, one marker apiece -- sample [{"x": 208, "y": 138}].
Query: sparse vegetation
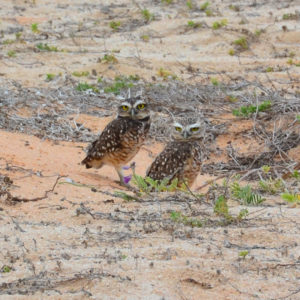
[
  {"x": 167, "y": 1},
  {"x": 121, "y": 82},
  {"x": 189, "y": 4},
  {"x": 193, "y": 24},
  {"x": 209, "y": 12},
  {"x": 5, "y": 269},
  {"x": 242, "y": 43},
  {"x": 219, "y": 24},
  {"x": 221, "y": 209},
  {"x": 145, "y": 37},
  {"x": 178, "y": 217},
  {"x": 50, "y": 76},
  {"x": 204, "y": 6},
  {"x": 165, "y": 74},
  {"x": 290, "y": 16},
  {"x": 84, "y": 86},
  {"x": 147, "y": 15},
  {"x": 12, "y": 53},
  {"x": 109, "y": 58},
  {"x": 81, "y": 74},
  {"x": 246, "y": 111},
  {"x": 245, "y": 194},
  {"x": 243, "y": 254},
  {"x": 115, "y": 25},
  {"x": 46, "y": 47},
  {"x": 234, "y": 7},
  {"x": 291, "y": 198},
  {"x": 35, "y": 28},
  {"x": 269, "y": 69},
  {"x": 214, "y": 81},
  {"x": 231, "y": 52}
]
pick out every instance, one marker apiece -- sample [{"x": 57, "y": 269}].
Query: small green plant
[
  {"x": 145, "y": 37},
  {"x": 46, "y": 47},
  {"x": 290, "y": 61},
  {"x": 178, "y": 217},
  {"x": 5, "y": 269},
  {"x": 242, "y": 43},
  {"x": 84, "y": 86},
  {"x": 147, "y": 15},
  {"x": 231, "y": 52},
  {"x": 115, "y": 25},
  {"x": 18, "y": 35},
  {"x": 266, "y": 169},
  {"x": 80, "y": 74},
  {"x": 12, "y": 53},
  {"x": 245, "y": 194},
  {"x": 290, "y": 16},
  {"x": 208, "y": 12},
  {"x": 291, "y": 198},
  {"x": 35, "y": 28},
  {"x": 221, "y": 209},
  {"x": 214, "y": 81},
  {"x": 234, "y": 7},
  {"x": 109, "y": 58},
  {"x": 219, "y": 24},
  {"x": 50, "y": 77},
  {"x": 296, "y": 174},
  {"x": 148, "y": 184},
  {"x": 8, "y": 42},
  {"x": 167, "y": 1},
  {"x": 232, "y": 99},
  {"x": 292, "y": 54},
  {"x": 165, "y": 74},
  {"x": 121, "y": 82},
  {"x": 193, "y": 24},
  {"x": 258, "y": 32},
  {"x": 243, "y": 254},
  {"x": 298, "y": 118},
  {"x": 189, "y": 4},
  {"x": 246, "y": 111},
  {"x": 204, "y": 6},
  {"x": 269, "y": 69}
]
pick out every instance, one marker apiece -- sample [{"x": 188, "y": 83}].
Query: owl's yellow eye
[
  {"x": 125, "y": 107},
  {"x": 177, "y": 128},
  {"x": 194, "y": 129},
  {"x": 141, "y": 106}
]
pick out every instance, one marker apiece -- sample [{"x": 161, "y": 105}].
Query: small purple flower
[
  {"x": 127, "y": 179},
  {"x": 126, "y": 167}
]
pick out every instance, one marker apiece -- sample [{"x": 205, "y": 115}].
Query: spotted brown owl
[
  {"x": 182, "y": 157},
  {"x": 122, "y": 138}
]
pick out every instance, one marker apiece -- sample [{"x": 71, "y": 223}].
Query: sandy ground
[{"x": 79, "y": 241}]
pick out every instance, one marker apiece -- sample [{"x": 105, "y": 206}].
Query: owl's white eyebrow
[
  {"x": 194, "y": 125},
  {"x": 177, "y": 125},
  {"x": 125, "y": 103},
  {"x": 139, "y": 102}
]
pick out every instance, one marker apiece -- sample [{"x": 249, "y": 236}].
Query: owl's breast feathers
[{"x": 118, "y": 142}]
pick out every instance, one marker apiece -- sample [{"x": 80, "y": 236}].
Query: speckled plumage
[
  {"x": 182, "y": 157},
  {"x": 122, "y": 138}
]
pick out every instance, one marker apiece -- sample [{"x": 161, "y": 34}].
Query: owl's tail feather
[{"x": 91, "y": 163}]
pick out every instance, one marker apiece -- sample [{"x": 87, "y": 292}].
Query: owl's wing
[
  {"x": 170, "y": 162},
  {"x": 108, "y": 141}
]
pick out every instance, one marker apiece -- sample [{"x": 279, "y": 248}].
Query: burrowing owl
[
  {"x": 122, "y": 138},
  {"x": 182, "y": 157}
]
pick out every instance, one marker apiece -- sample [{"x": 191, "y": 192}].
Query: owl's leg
[{"x": 121, "y": 175}]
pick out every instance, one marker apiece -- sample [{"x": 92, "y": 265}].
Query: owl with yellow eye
[
  {"x": 122, "y": 138},
  {"x": 183, "y": 155}
]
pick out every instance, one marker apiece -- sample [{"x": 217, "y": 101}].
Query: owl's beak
[
  {"x": 133, "y": 112},
  {"x": 186, "y": 134}
]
